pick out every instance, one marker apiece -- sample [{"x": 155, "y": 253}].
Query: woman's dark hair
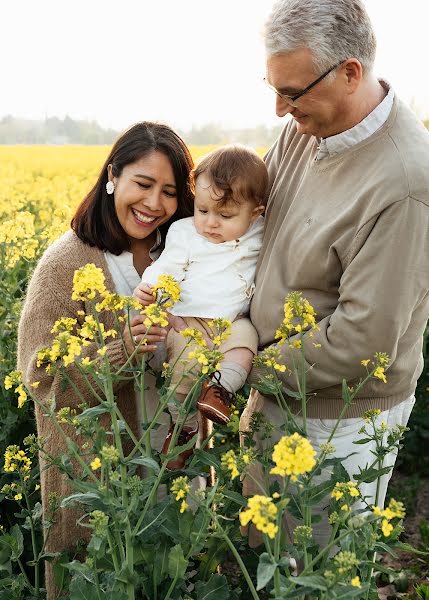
[{"x": 95, "y": 221}]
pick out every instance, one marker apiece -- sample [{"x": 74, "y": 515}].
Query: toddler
[{"x": 213, "y": 256}]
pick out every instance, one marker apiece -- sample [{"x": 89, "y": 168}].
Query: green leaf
[
  {"x": 349, "y": 591},
  {"x": 176, "y": 563},
  {"x": 216, "y": 588},
  {"x": 235, "y": 497},
  {"x": 206, "y": 458},
  {"x": 266, "y": 570},
  {"x": 146, "y": 462},
  {"x": 370, "y": 475},
  {"x": 345, "y": 392},
  {"x": 363, "y": 441},
  {"x": 88, "y": 498},
  {"x": 179, "y": 449},
  {"x": 160, "y": 563},
  {"x": 315, "y": 582},
  {"x": 37, "y": 511},
  {"x": 318, "y": 492},
  {"x": 80, "y": 589},
  {"x": 18, "y": 542},
  {"x": 94, "y": 411}
]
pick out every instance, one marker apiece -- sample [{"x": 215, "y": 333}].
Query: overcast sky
[{"x": 185, "y": 62}]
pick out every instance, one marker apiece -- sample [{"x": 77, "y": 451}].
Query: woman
[{"x": 119, "y": 226}]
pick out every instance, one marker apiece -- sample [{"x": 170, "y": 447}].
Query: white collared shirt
[
  {"x": 123, "y": 271},
  {"x": 216, "y": 280},
  {"x": 335, "y": 144}
]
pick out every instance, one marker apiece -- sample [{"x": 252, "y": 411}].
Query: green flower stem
[
  {"x": 97, "y": 582},
  {"x": 33, "y": 542},
  {"x": 334, "y": 531},
  {"x": 129, "y": 551},
  {"x": 228, "y": 542},
  {"x": 303, "y": 387},
  {"x": 27, "y": 581},
  {"x": 116, "y": 565},
  {"x": 238, "y": 559},
  {"x": 176, "y": 431},
  {"x": 143, "y": 406},
  {"x": 317, "y": 558},
  {"x": 161, "y": 407},
  {"x": 65, "y": 438}
]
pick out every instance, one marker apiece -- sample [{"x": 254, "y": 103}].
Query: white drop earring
[{"x": 110, "y": 187}]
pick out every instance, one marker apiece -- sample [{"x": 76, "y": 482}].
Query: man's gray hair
[{"x": 333, "y": 30}]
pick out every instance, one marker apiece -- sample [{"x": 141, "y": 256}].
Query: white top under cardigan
[
  {"x": 216, "y": 280},
  {"x": 126, "y": 278}
]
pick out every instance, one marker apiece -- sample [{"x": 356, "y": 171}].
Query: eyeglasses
[{"x": 292, "y": 99}]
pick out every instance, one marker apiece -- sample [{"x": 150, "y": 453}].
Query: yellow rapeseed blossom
[
  {"x": 270, "y": 357},
  {"x": 262, "y": 512},
  {"x": 356, "y": 582},
  {"x": 166, "y": 291},
  {"x": 395, "y": 510},
  {"x": 14, "y": 379},
  {"x": 16, "y": 460},
  {"x": 154, "y": 316},
  {"x": 194, "y": 335},
  {"x": 95, "y": 464},
  {"x": 87, "y": 281},
  {"x": 379, "y": 373},
  {"x": 180, "y": 488},
  {"x": 345, "y": 491},
  {"x": 299, "y": 316},
  {"x": 293, "y": 455},
  {"x": 229, "y": 463}
]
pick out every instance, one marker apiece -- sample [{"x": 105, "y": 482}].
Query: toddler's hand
[{"x": 143, "y": 293}]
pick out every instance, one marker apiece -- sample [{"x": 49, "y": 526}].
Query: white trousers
[{"x": 318, "y": 431}]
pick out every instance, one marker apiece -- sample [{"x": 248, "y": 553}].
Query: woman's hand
[{"x": 138, "y": 332}]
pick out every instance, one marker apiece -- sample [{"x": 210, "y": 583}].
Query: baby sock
[{"x": 232, "y": 376}]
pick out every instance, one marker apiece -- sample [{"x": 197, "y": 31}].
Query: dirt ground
[{"x": 411, "y": 569}]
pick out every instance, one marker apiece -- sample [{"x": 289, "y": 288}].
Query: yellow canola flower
[
  {"x": 293, "y": 455},
  {"x": 180, "y": 488},
  {"x": 14, "y": 378},
  {"x": 194, "y": 335},
  {"x": 299, "y": 316},
  {"x": 356, "y": 582},
  {"x": 262, "y": 512},
  {"x": 166, "y": 291},
  {"x": 229, "y": 463},
  {"x": 16, "y": 460},
  {"x": 386, "y": 528},
  {"x": 379, "y": 373},
  {"x": 95, "y": 464},
  {"x": 154, "y": 316},
  {"x": 87, "y": 281}
]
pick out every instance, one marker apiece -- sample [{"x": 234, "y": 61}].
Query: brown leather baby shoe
[
  {"x": 178, "y": 462},
  {"x": 214, "y": 402}
]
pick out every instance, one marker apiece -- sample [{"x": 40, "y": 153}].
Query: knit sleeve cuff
[
  {"x": 115, "y": 352},
  {"x": 255, "y": 375}
]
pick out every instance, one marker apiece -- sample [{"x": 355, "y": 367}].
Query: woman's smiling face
[{"x": 145, "y": 195}]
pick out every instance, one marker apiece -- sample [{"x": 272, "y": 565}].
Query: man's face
[{"x": 320, "y": 111}]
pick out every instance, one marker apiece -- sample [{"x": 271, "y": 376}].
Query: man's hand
[{"x": 144, "y": 295}]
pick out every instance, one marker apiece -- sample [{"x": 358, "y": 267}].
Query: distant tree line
[
  {"x": 68, "y": 131},
  {"x": 53, "y": 131}
]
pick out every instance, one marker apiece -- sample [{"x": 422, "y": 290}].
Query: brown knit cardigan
[{"x": 49, "y": 298}]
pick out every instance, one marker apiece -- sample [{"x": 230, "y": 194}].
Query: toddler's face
[{"x": 221, "y": 223}]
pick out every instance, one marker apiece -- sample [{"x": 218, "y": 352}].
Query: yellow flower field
[{"x": 45, "y": 184}]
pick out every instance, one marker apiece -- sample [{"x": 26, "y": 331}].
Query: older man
[{"x": 346, "y": 224}]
